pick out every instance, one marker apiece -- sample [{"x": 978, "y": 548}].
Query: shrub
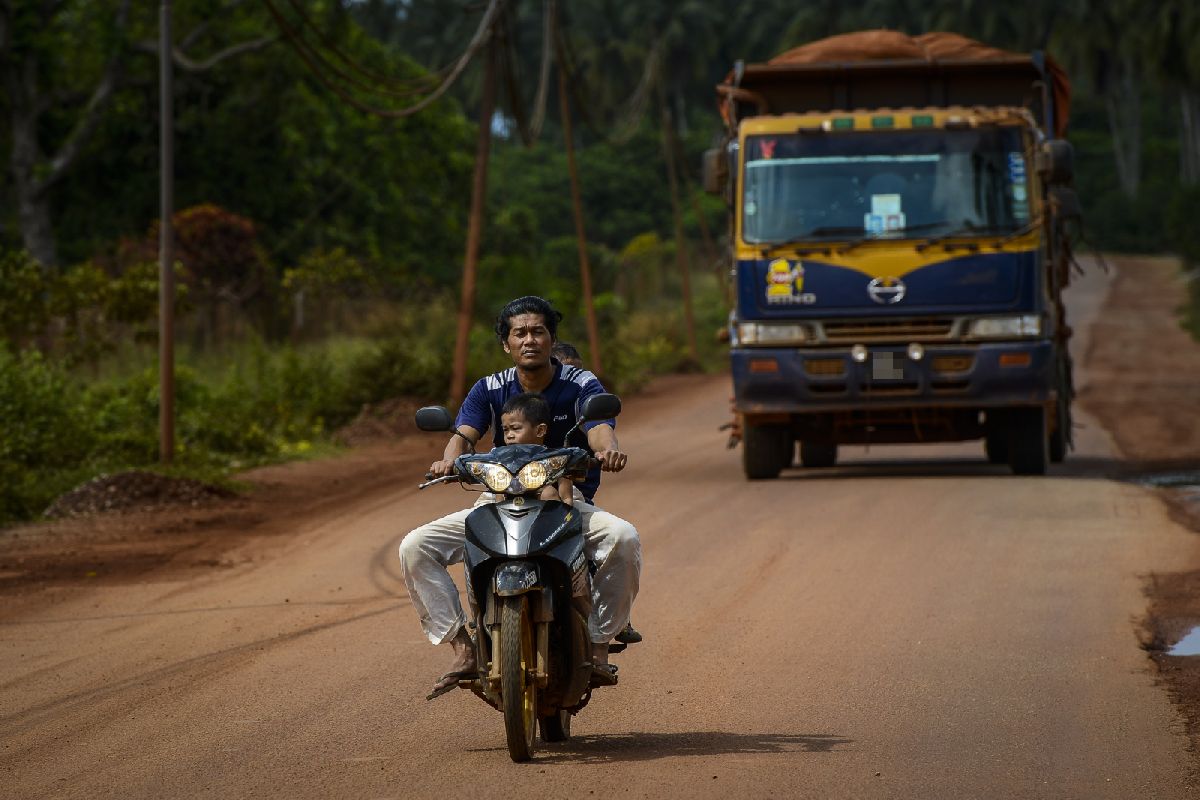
[{"x": 46, "y": 438}]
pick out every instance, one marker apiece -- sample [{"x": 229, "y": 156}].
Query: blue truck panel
[
  {"x": 890, "y": 379},
  {"x": 976, "y": 283}
]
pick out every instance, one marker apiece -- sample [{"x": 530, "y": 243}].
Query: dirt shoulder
[
  {"x": 1144, "y": 387},
  {"x": 169, "y": 542}
]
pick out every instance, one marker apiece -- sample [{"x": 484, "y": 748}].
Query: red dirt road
[{"x": 914, "y": 623}]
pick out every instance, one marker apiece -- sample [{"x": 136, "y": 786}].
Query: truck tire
[
  {"x": 815, "y": 455},
  {"x": 766, "y": 450},
  {"x": 995, "y": 444},
  {"x": 1058, "y": 443},
  {"x": 1028, "y": 441}
]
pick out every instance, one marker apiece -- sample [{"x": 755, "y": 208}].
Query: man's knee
[
  {"x": 623, "y": 539},
  {"x": 412, "y": 550}
]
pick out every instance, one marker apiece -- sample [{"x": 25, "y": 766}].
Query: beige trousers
[{"x": 610, "y": 542}]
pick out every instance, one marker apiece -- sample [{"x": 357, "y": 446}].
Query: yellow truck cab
[{"x": 899, "y": 251}]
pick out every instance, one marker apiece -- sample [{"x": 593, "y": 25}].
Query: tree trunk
[
  {"x": 37, "y": 232},
  {"x": 33, "y": 201},
  {"x": 1189, "y": 136},
  {"x": 1124, "y": 106}
]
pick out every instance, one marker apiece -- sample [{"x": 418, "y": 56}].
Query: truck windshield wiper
[
  {"x": 970, "y": 229},
  {"x": 818, "y": 235},
  {"x": 886, "y": 235}
]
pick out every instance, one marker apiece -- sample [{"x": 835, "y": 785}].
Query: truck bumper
[{"x": 778, "y": 381}]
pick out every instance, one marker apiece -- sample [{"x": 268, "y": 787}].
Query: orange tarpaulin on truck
[{"x": 933, "y": 48}]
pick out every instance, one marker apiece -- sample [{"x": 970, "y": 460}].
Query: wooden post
[
  {"x": 466, "y": 309},
  {"x": 681, "y": 256},
  {"x": 585, "y": 270},
  {"x": 166, "y": 272}
]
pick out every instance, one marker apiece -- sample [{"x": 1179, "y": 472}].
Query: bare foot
[{"x": 463, "y": 664}]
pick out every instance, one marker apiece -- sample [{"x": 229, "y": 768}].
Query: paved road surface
[{"x": 915, "y": 623}]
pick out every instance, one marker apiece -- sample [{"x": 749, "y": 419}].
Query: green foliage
[
  {"x": 79, "y": 314},
  {"x": 46, "y": 434},
  {"x": 24, "y": 311}
]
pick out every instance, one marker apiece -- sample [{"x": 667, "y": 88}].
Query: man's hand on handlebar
[
  {"x": 611, "y": 460},
  {"x": 440, "y": 469}
]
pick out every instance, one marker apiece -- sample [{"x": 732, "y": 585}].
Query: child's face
[{"x": 518, "y": 430}]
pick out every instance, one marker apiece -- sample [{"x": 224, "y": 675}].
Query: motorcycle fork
[{"x": 541, "y": 607}]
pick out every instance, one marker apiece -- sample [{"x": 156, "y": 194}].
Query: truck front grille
[{"x": 920, "y": 329}]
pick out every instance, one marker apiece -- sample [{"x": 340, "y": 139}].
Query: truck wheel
[
  {"x": 766, "y": 450},
  {"x": 995, "y": 445},
  {"x": 813, "y": 454},
  {"x": 1058, "y": 443},
  {"x": 1028, "y": 442}
]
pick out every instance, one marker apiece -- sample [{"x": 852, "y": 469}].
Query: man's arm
[
  {"x": 603, "y": 441},
  {"x": 454, "y": 448}
]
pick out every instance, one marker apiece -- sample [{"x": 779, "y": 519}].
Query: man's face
[
  {"x": 529, "y": 341},
  {"x": 518, "y": 430}
]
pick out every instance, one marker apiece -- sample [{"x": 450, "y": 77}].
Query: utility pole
[
  {"x": 585, "y": 269},
  {"x": 166, "y": 272},
  {"x": 466, "y": 309},
  {"x": 681, "y": 256}
]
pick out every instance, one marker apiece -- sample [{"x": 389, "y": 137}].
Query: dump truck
[{"x": 900, "y": 219}]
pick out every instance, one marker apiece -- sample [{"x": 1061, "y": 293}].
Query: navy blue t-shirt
[{"x": 565, "y": 394}]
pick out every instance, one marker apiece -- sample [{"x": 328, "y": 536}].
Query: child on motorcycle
[{"x": 524, "y": 419}]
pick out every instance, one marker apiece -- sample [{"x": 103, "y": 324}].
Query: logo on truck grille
[{"x": 886, "y": 291}]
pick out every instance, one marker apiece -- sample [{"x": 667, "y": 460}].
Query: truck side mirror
[
  {"x": 1056, "y": 162},
  {"x": 716, "y": 171},
  {"x": 1064, "y": 204}
]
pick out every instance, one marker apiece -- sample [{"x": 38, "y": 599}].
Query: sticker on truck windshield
[
  {"x": 1020, "y": 187},
  {"x": 885, "y": 215},
  {"x": 785, "y": 284}
]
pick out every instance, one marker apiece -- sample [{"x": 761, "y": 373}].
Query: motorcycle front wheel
[{"x": 518, "y": 688}]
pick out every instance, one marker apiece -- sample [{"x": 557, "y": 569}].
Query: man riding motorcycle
[{"x": 526, "y": 328}]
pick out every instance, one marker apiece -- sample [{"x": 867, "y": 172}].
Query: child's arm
[{"x": 566, "y": 490}]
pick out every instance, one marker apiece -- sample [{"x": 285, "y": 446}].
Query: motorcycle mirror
[
  {"x": 600, "y": 406},
  {"x": 434, "y": 418}
]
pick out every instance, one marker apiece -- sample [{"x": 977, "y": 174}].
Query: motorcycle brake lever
[{"x": 442, "y": 479}]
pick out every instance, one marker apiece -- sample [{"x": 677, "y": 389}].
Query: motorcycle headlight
[
  {"x": 494, "y": 476},
  {"x": 1006, "y": 327},
  {"x": 534, "y": 474}
]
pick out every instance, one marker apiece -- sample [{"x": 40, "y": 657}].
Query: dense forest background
[{"x": 321, "y": 225}]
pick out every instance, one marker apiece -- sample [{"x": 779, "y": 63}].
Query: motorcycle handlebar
[{"x": 443, "y": 479}]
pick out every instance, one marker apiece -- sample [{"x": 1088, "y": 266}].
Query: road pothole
[{"x": 1189, "y": 645}]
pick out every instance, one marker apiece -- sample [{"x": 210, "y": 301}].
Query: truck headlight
[
  {"x": 768, "y": 333},
  {"x": 1006, "y": 327}
]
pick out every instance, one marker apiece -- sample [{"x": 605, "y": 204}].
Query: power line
[
  {"x": 378, "y": 78},
  {"x": 635, "y": 105},
  {"x": 310, "y": 59},
  {"x": 529, "y": 131}
]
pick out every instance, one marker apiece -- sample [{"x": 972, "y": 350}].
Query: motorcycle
[{"x": 528, "y": 582}]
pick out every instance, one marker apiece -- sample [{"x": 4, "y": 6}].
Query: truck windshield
[{"x": 894, "y": 184}]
